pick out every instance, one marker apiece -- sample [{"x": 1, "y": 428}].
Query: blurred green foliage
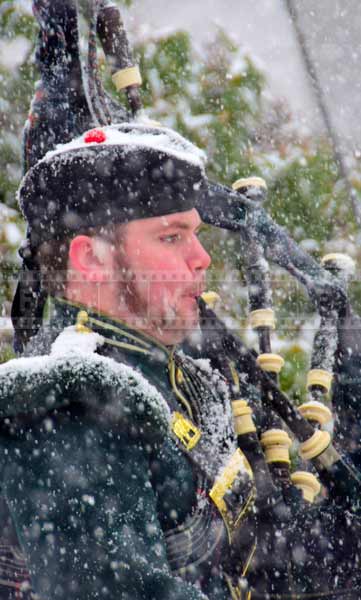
[
  {"x": 215, "y": 97},
  {"x": 18, "y": 30}
]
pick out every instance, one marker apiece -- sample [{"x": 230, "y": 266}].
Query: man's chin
[
  {"x": 181, "y": 326},
  {"x": 183, "y": 323},
  {"x": 188, "y": 314},
  {"x": 183, "y": 315}
]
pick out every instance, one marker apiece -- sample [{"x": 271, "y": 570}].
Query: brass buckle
[
  {"x": 233, "y": 492},
  {"x": 185, "y": 431}
]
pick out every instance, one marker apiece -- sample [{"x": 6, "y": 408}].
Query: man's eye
[{"x": 171, "y": 239}]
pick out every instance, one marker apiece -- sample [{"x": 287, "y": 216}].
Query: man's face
[{"x": 165, "y": 266}]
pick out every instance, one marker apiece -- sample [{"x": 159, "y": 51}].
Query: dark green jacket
[
  {"x": 90, "y": 472},
  {"x": 99, "y": 488}
]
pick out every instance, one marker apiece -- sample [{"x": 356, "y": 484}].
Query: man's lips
[
  {"x": 193, "y": 295},
  {"x": 195, "y": 291}
]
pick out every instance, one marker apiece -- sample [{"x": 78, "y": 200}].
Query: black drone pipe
[
  {"x": 325, "y": 344},
  {"x": 257, "y": 274},
  {"x": 227, "y": 209},
  {"x": 114, "y": 40},
  {"x": 222, "y": 207},
  {"x": 336, "y": 471}
]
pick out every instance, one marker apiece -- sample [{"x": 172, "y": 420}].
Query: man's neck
[
  {"x": 165, "y": 334},
  {"x": 161, "y": 336}
]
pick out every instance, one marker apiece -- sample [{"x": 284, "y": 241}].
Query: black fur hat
[{"x": 111, "y": 174}]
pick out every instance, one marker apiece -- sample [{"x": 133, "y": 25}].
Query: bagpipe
[
  {"x": 261, "y": 239},
  {"x": 239, "y": 210},
  {"x": 70, "y": 99},
  {"x": 266, "y": 446}
]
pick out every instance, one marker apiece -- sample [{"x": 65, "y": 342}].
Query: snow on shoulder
[
  {"x": 75, "y": 372},
  {"x": 136, "y": 135},
  {"x": 69, "y": 341}
]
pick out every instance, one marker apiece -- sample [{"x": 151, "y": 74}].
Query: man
[
  {"x": 104, "y": 473},
  {"x": 119, "y": 460}
]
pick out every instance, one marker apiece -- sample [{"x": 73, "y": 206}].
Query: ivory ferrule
[
  {"x": 342, "y": 261},
  {"x": 210, "y": 298},
  {"x": 307, "y": 483},
  {"x": 315, "y": 445},
  {"x": 272, "y": 363},
  {"x": 276, "y": 443},
  {"x": 248, "y": 182},
  {"x": 127, "y": 77},
  {"x": 263, "y": 317},
  {"x": 242, "y": 414},
  {"x": 316, "y": 412},
  {"x": 321, "y": 378}
]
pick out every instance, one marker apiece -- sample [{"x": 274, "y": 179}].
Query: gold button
[
  {"x": 82, "y": 318},
  {"x": 179, "y": 376}
]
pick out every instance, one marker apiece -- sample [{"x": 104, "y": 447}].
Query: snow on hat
[{"x": 112, "y": 174}]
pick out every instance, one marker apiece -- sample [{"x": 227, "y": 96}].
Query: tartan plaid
[{"x": 14, "y": 574}]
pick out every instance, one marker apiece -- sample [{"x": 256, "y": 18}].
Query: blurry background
[
  {"x": 263, "y": 28},
  {"x": 268, "y": 29},
  {"x": 270, "y": 88}
]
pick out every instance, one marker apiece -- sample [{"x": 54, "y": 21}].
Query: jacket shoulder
[{"x": 74, "y": 372}]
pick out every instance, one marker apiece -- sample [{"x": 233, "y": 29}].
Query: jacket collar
[{"x": 116, "y": 333}]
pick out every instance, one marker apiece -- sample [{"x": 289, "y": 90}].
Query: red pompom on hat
[{"x": 95, "y": 135}]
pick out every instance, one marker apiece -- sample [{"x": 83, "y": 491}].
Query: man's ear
[{"x": 91, "y": 257}]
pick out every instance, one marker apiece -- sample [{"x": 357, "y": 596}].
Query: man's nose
[{"x": 198, "y": 258}]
